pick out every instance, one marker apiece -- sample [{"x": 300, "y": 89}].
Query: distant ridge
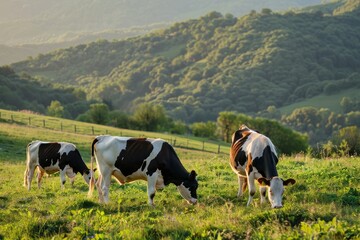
[{"x": 200, "y": 67}]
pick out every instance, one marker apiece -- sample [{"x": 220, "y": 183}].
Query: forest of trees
[
  {"x": 196, "y": 70},
  {"x": 25, "y": 92}
]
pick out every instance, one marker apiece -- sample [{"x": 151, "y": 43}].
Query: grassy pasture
[
  {"x": 88, "y": 129},
  {"x": 323, "y": 204},
  {"x": 332, "y": 102}
]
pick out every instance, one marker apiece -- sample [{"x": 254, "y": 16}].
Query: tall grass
[{"x": 323, "y": 204}]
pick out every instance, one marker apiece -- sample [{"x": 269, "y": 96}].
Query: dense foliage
[
  {"x": 42, "y": 26},
  {"x": 196, "y": 69},
  {"x": 200, "y": 70},
  {"x": 24, "y": 92}
]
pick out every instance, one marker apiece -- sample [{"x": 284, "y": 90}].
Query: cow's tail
[
  {"x": 92, "y": 172},
  {"x": 27, "y": 165}
]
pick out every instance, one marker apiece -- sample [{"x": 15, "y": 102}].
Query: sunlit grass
[
  {"x": 326, "y": 196},
  {"x": 66, "y": 129}
]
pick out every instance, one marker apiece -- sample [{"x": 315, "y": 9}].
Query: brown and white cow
[
  {"x": 51, "y": 157},
  {"x": 253, "y": 156},
  {"x": 130, "y": 159}
]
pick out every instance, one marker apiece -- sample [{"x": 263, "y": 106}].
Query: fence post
[
  {"x": 203, "y": 145},
  {"x": 218, "y": 148},
  {"x": 92, "y": 130},
  {"x": 61, "y": 126},
  {"x": 12, "y": 118},
  {"x": 43, "y": 123},
  {"x": 29, "y": 121},
  {"x": 75, "y": 128}
]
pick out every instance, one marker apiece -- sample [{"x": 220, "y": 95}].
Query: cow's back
[
  {"x": 48, "y": 154},
  {"x": 256, "y": 144},
  {"x": 238, "y": 156},
  {"x": 107, "y": 148},
  {"x": 133, "y": 157}
]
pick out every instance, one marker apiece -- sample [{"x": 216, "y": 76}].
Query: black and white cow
[
  {"x": 253, "y": 156},
  {"x": 130, "y": 159},
  {"x": 51, "y": 157}
]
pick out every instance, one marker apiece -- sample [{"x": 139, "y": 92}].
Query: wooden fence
[{"x": 70, "y": 126}]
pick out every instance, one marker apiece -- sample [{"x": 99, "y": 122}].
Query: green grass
[
  {"x": 332, "y": 102},
  {"x": 323, "y": 204},
  {"x": 67, "y": 126}
]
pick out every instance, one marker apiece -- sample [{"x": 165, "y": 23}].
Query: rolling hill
[
  {"x": 49, "y": 25},
  {"x": 215, "y": 63},
  {"x": 43, "y": 21}
]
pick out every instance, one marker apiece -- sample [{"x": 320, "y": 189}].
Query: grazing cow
[
  {"x": 253, "y": 156},
  {"x": 130, "y": 159},
  {"x": 53, "y": 157}
]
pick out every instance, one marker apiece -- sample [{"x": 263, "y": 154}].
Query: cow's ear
[
  {"x": 263, "y": 181},
  {"x": 192, "y": 175},
  {"x": 289, "y": 181},
  {"x": 94, "y": 169}
]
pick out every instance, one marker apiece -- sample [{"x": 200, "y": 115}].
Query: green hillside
[
  {"x": 38, "y": 28},
  {"x": 35, "y": 126},
  {"x": 69, "y": 21},
  {"x": 332, "y": 102},
  {"x": 198, "y": 68},
  {"x": 19, "y": 92}
]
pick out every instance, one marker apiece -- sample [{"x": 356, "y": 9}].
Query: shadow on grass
[{"x": 4, "y": 201}]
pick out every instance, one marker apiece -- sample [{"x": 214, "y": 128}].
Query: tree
[
  {"x": 226, "y": 124},
  {"x": 150, "y": 117},
  {"x": 119, "y": 119},
  {"x": 178, "y": 127},
  {"x": 346, "y": 104},
  {"x": 204, "y": 129},
  {"x": 286, "y": 140},
  {"x": 99, "y": 113},
  {"x": 266, "y": 11},
  {"x": 55, "y": 109},
  {"x": 353, "y": 119},
  {"x": 350, "y": 138}
]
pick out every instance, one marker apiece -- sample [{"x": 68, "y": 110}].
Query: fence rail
[{"x": 70, "y": 126}]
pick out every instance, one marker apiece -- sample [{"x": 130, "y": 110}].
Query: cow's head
[
  {"x": 87, "y": 174},
  {"x": 275, "y": 189},
  {"x": 188, "y": 188}
]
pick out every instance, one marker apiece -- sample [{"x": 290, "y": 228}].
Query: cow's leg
[
  {"x": 62, "y": 178},
  {"x": 151, "y": 188},
  {"x": 242, "y": 185},
  {"x": 98, "y": 186},
  {"x": 70, "y": 174},
  {"x": 26, "y": 177},
  {"x": 104, "y": 185},
  {"x": 262, "y": 194},
  {"x": 40, "y": 174},
  {"x": 252, "y": 187},
  {"x": 30, "y": 173}
]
